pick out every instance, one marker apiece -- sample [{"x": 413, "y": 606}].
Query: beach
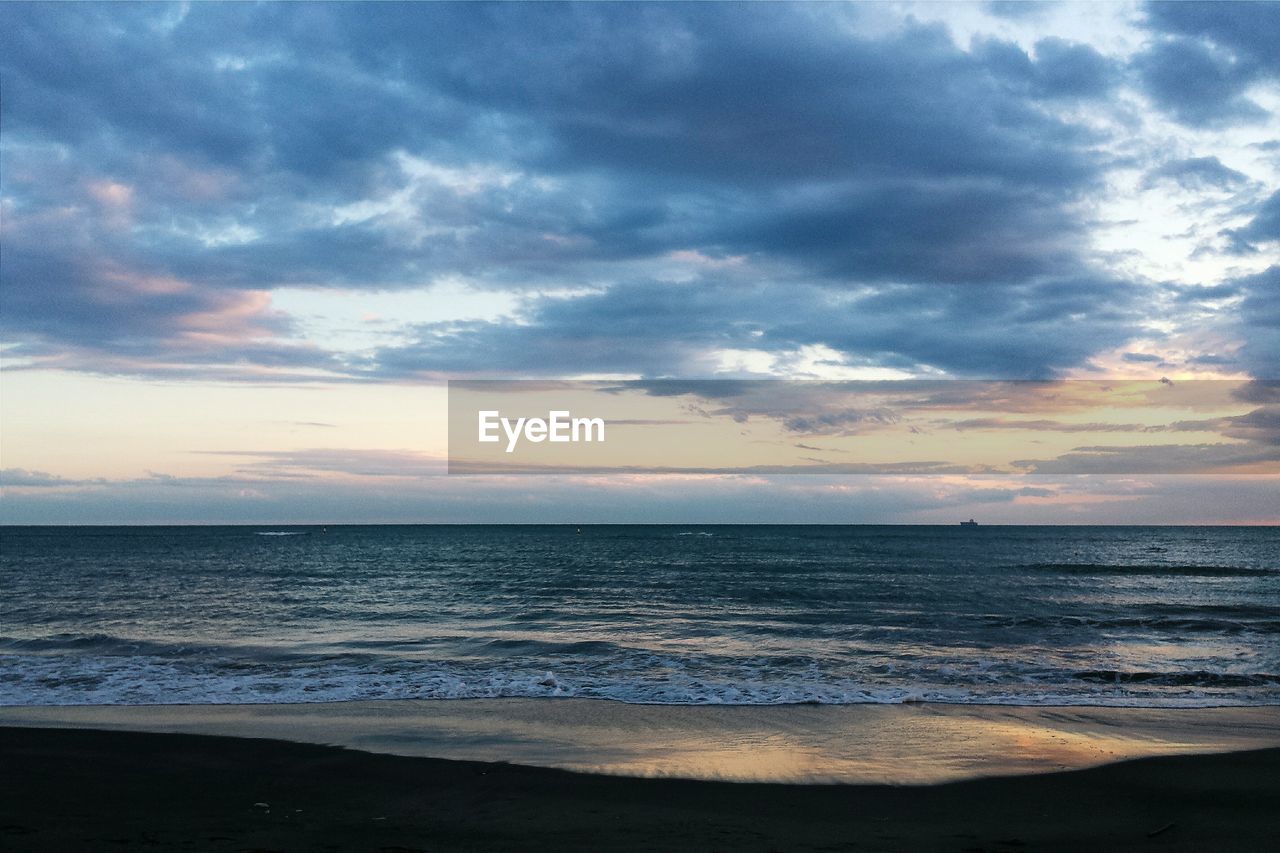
[
  {"x": 576, "y": 774},
  {"x": 909, "y": 744},
  {"x": 640, "y": 687},
  {"x": 78, "y": 789}
]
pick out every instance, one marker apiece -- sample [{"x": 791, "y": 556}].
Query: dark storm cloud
[
  {"x": 1259, "y": 323},
  {"x": 660, "y": 328},
  {"x": 1253, "y": 327},
  {"x": 1263, "y": 228},
  {"x": 1261, "y": 426},
  {"x": 1059, "y": 69},
  {"x": 892, "y": 197},
  {"x": 1250, "y": 30},
  {"x": 1209, "y": 56},
  {"x": 68, "y": 302},
  {"x": 710, "y": 93},
  {"x": 1259, "y": 391},
  {"x": 909, "y": 230},
  {"x": 1197, "y": 84},
  {"x": 258, "y": 89}
]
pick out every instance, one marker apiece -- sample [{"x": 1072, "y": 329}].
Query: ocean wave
[
  {"x": 75, "y": 647},
  {"x": 1147, "y": 569},
  {"x": 1172, "y": 624},
  {"x": 33, "y": 680},
  {"x": 1196, "y": 678},
  {"x": 103, "y": 644},
  {"x": 761, "y": 616}
]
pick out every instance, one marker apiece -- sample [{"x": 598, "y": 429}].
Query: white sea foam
[{"x": 148, "y": 680}]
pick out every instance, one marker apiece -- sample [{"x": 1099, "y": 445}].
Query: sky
[{"x": 243, "y": 246}]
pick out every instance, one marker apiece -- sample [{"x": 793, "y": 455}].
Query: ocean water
[{"x": 752, "y": 615}]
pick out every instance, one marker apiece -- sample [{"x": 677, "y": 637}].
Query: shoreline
[
  {"x": 907, "y": 744},
  {"x": 72, "y": 789},
  {"x": 1048, "y": 706}
]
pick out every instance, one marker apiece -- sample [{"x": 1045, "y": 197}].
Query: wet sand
[
  {"x": 76, "y": 789},
  {"x": 885, "y": 744}
]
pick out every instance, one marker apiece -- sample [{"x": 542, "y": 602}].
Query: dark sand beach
[
  {"x": 75, "y": 789},
  {"x": 914, "y": 744}
]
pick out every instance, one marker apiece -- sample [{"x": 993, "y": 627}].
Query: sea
[{"x": 661, "y": 614}]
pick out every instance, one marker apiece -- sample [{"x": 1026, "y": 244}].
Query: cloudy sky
[{"x": 243, "y": 245}]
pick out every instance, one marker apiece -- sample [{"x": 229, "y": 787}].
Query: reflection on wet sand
[{"x": 899, "y": 744}]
